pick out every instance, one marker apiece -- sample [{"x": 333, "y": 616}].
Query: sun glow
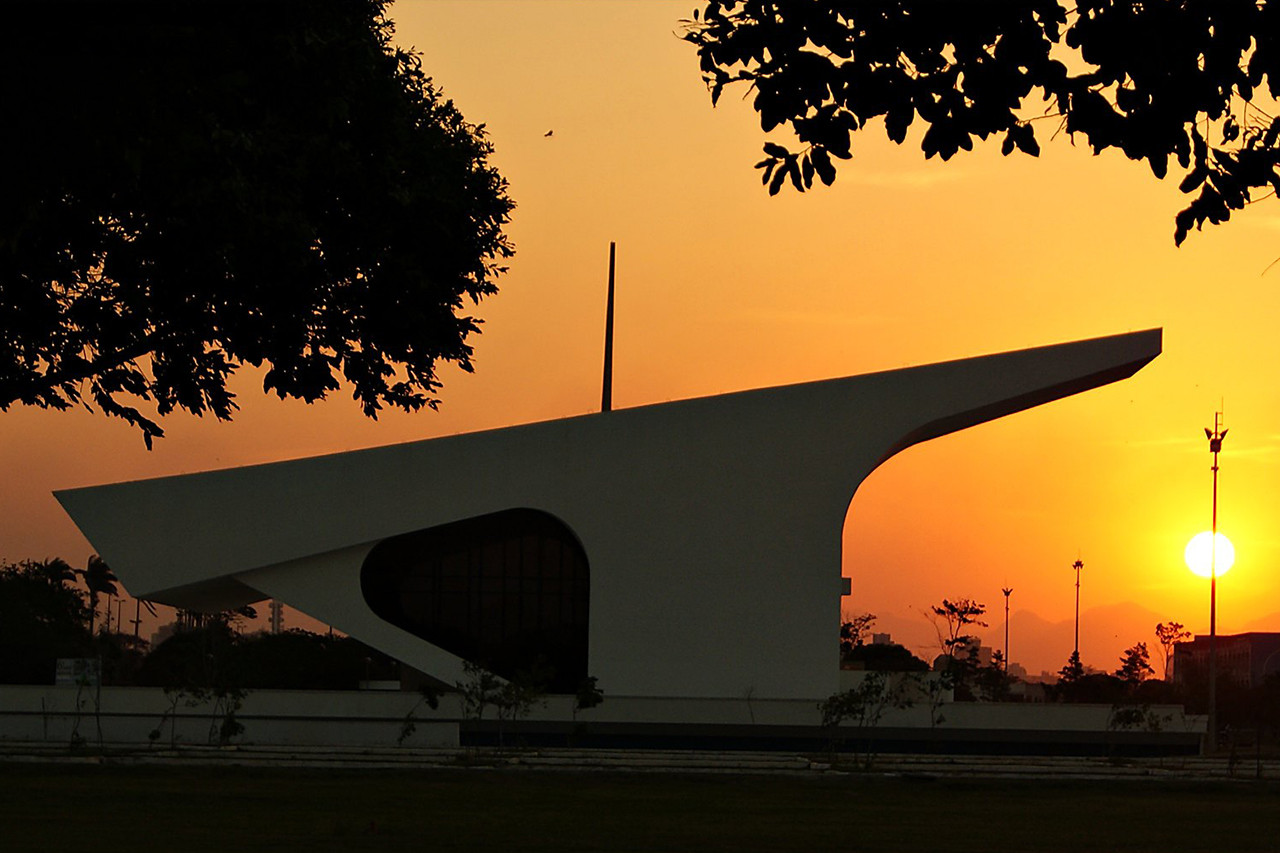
[{"x": 1200, "y": 557}]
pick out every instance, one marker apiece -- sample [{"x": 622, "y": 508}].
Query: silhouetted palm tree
[
  {"x": 56, "y": 571},
  {"x": 100, "y": 580}
]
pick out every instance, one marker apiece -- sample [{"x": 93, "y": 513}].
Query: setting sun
[{"x": 1199, "y": 554}]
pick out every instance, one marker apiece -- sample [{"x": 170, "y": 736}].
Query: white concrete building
[{"x": 630, "y": 545}]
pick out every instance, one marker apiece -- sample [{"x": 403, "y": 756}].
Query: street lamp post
[
  {"x": 1215, "y": 436},
  {"x": 1077, "y": 565},
  {"x": 1007, "y": 592}
]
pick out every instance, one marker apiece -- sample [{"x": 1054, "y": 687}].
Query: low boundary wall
[
  {"x": 132, "y": 715},
  {"x": 140, "y": 715}
]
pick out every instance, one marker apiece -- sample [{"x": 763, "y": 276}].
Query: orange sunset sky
[{"x": 722, "y": 288}]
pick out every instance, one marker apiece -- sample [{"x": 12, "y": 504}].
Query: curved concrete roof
[{"x": 696, "y": 515}]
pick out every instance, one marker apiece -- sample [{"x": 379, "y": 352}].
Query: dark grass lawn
[{"x": 97, "y": 808}]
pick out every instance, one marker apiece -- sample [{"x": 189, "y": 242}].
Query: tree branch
[{"x": 28, "y": 389}]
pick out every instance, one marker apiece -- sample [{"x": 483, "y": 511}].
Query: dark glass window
[{"x": 507, "y": 591}]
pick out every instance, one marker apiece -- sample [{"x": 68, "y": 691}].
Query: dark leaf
[
  {"x": 1193, "y": 179},
  {"x": 775, "y": 184},
  {"x": 823, "y": 166},
  {"x": 897, "y": 121},
  {"x": 793, "y": 172},
  {"x": 1026, "y": 139},
  {"x": 768, "y": 170}
]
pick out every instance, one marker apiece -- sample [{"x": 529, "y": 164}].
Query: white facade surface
[{"x": 698, "y": 517}]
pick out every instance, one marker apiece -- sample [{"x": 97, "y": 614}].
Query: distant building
[
  {"x": 881, "y": 640},
  {"x": 1246, "y": 659}
]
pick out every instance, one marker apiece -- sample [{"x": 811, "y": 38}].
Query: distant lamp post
[
  {"x": 1077, "y": 565},
  {"x": 1007, "y": 592},
  {"x": 1215, "y": 436}
]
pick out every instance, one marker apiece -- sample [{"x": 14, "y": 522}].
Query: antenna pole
[{"x": 606, "y": 399}]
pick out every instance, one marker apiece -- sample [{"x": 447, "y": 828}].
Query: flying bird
[{"x": 549, "y": 133}]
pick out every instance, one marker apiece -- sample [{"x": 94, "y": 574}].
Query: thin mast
[{"x": 606, "y": 399}]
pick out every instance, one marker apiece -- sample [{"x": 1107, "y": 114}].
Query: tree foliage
[
  {"x": 196, "y": 659},
  {"x": 1169, "y": 634},
  {"x": 957, "y": 616},
  {"x": 1135, "y": 665},
  {"x": 99, "y": 580},
  {"x": 1073, "y": 671},
  {"x": 993, "y": 682},
  {"x": 976, "y": 70},
  {"x": 883, "y": 657},
  {"x": 303, "y": 660},
  {"x": 196, "y": 186},
  {"x": 854, "y": 633},
  {"x": 952, "y": 620},
  {"x": 866, "y": 703},
  {"x": 43, "y": 617},
  {"x": 214, "y": 653},
  {"x": 479, "y": 689}
]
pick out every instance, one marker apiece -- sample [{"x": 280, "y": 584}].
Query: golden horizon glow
[{"x": 1199, "y": 554}]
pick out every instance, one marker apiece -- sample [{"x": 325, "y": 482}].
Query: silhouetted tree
[
  {"x": 866, "y": 704},
  {"x": 228, "y": 620},
  {"x": 992, "y": 681},
  {"x": 975, "y": 70},
  {"x": 959, "y": 646},
  {"x": 884, "y": 657},
  {"x": 1135, "y": 665},
  {"x": 99, "y": 580},
  {"x": 524, "y": 692},
  {"x": 957, "y": 616},
  {"x": 1094, "y": 688},
  {"x": 1155, "y": 691},
  {"x": 1073, "y": 671},
  {"x": 429, "y": 697},
  {"x": 302, "y": 660},
  {"x": 854, "y": 632},
  {"x": 43, "y": 617},
  {"x": 198, "y": 186},
  {"x": 200, "y": 665},
  {"x": 1169, "y": 635},
  {"x": 194, "y": 658},
  {"x": 122, "y": 657},
  {"x": 479, "y": 688}
]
